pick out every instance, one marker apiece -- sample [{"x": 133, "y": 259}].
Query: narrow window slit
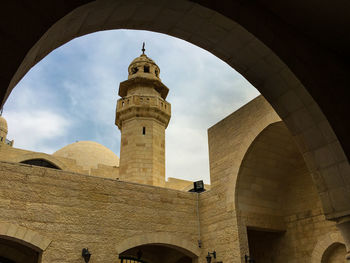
[{"x": 143, "y": 130}]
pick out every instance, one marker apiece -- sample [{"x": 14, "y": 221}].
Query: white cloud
[{"x": 34, "y": 129}]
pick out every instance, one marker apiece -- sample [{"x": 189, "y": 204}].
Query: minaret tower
[
  {"x": 3, "y": 132},
  {"x": 142, "y": 116},
  {"x": 3, "y": 129}
]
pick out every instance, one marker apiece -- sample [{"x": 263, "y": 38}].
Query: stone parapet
[{"x": 142, "y": 106}]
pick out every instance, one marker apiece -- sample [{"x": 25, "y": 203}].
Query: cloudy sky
[{"x": 71, "y": 95}]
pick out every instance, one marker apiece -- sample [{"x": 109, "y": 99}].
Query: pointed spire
[{"x": 143, "y": 48}]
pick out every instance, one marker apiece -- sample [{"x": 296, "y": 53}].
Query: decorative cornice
[{"x": 142, "y": 106}]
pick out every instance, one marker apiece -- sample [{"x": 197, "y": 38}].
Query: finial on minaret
[{"x": 143, "y": 48}]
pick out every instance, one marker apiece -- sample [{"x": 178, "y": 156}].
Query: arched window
[
  {"x": 134, "y": 70},
  {"x": 41, "y": 162}
]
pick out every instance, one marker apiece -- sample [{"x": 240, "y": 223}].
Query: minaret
[
  {"x": 3, "y": 131},
  {"x": 142, "y": 116}
]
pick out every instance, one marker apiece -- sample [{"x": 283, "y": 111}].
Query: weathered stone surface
[{"x": 76, "y": 211}]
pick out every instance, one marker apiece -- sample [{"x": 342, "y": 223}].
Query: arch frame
[
  {"x": 25, "y": 236},
  {"x": 47, "y": 157},
  {"x": 163, "y": 238},
  {"x": 325, "y": 242}
]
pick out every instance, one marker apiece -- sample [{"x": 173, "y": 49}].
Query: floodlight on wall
[
  {"x": 208, "y": 257},
  {"x": 198, "y": 187},
  {"x": 86, "y": 255}
]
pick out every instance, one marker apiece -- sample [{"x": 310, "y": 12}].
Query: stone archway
[
  {"x": 275, "y": 195},
  {"x": 233, "y": 44},
  {"x": 326, "y": 245},
  {"x": 168, "y": 241},
  {"x": 42, "y": 156},
  {"x": 159, "y": 238},
  {"x": 24, "y": 235},
  {"x": 20, "y": 244}
]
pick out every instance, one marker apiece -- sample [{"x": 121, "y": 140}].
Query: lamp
[
  {"x": 86, "y": 255},
  {"x": 248, "y": 259},
  {"x": 209, "y": 257}
]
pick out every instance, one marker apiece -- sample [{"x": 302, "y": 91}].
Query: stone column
[{"x": 343, "y": 225}]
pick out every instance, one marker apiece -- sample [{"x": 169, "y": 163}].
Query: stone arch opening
[
  {"x": 41, "y": 159},
  {"x": 275, "y": 196},
  {"x": 329, "y": 248},
  {"x": 233, "y": 44},
  {"x": 335, "y": 253},
  {"x": 21, "y": 245},
  {"x": 13, "y": 251},
  {"x": 159, "y": 247},
  {"x": 41, "y": 162},
  {"x": 158, "y": 253}
]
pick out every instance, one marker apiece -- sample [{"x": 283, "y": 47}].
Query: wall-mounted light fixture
[
  {"x": 249, "y": 259},
  {"x": 86, "y": 255},
  {"x": 209, "y": 257}
]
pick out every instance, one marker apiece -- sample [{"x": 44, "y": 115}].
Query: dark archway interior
[
  {"x": 261, "y": 243},
  {"x": 334, "y": 254},
  {"x": 277, "y": 199},
  {"x": 14, "y": 252},
  {"x": 157, "y": 253},
  {"x": 41, "y": 162}
]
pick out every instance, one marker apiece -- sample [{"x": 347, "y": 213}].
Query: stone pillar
[{"x": 343, "y": 225}]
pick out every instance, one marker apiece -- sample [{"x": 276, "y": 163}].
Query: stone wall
[{"x": 76, "y": 211}]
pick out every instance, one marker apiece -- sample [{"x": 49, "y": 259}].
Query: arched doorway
[
  {"x": 155, "y": 253},
  {"x": 278, "y": 204},
  {"x": 13, "y": 251},
  {"x": 158, "y": 247},
  {"x": 334, "y": 254}
]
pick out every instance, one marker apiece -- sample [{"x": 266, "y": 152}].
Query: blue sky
[{"x": 71, "y": 94}]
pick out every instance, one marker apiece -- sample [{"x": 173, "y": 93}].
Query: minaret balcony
[{"x": 142, "y": 106}]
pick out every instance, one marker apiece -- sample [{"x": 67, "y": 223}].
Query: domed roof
[
  {"x": 88, "y": 154},
  {"x": 3, "y": 124},
  {"x": 143, "y": 59},
  {"x": 143, "y": 67}
]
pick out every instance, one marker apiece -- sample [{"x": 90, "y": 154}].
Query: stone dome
[
  {"x": 144, "y": 67},
  {"x": 3, "y": 125},
  {"x": 88, "y": 154},
  {"x": 142, "y": 58}
]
